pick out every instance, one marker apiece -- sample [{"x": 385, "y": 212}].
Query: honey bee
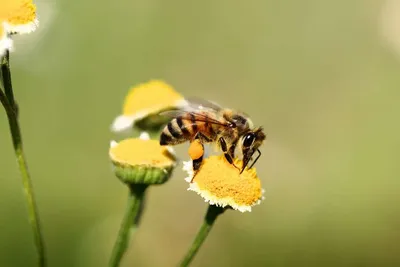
[{"x": 207, "y": 122}]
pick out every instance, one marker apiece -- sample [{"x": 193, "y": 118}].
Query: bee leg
[
  {"x": 227, "y": 153},
  {"x": 254, "y": 162},
  {"x": 196, "y": 163},
  {"x": 232, "y": 150},
  {"x": 232, "y": 153}
]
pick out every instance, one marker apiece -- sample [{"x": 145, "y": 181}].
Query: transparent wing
[
  {"x": 196, "y": 103},
  {"x": 196, "y": 116},
  {"x": 200, "y": 103},
  {"x": 174, "y": 113}
]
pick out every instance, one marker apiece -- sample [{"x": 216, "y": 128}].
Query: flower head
[
  {"x": 144, "y": 102},
  {"x": 221, "y": 184},
  {"x": 141, "y": 161},
  {"x": 16, "y": 17}
]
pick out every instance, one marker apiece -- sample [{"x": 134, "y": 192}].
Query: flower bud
[{"x": 140, "y": 161}]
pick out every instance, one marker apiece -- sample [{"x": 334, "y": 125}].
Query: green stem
[
  {"x": 6, "y": 75},
  {"x": 211, "y": 215},
  {"x": 129, "y": 223},
  {"x": 19, "y": 153}
]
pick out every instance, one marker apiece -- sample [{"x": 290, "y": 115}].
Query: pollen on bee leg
[{"x": 196, "y": 150}]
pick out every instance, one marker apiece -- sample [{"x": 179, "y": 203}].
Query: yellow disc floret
[
  {"x": 149, "y": 97},
  {"x": 19, "y": 11},
  {"x": 221, "y": 184},
  {"x": 136, "y": 151},
  {"x": 142, "y": 161}
]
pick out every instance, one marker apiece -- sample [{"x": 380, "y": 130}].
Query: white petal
[
  {"x": 187, "y": 167},
  {"x": 122, "y": 123},
  {"x": 5, "y": 44},
  {"x": 21, "y": 28},
  {"x": 113, "y": 144},
  {"x": 144, "y": 136}
]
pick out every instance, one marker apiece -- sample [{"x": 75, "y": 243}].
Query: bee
[{"x": 206, "y": 122}]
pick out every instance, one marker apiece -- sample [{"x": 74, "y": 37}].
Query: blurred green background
[{"x": 322, "y": 77}]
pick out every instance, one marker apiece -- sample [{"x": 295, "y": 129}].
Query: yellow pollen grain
[
  {"x": 196, "y": 150},
  {"x": 151, "y": 96},
  {"x": 17, "y": 12},
  {"x": 222, "y": 180},
  {"x": 135, "y": 152}
]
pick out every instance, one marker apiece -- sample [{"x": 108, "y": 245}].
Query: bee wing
[
  {"x": 174, "y": 113},
  {"x": 198, "y": 116},
  {"x": 200, "y": 103},
  {"x": 196, "y": 103}
]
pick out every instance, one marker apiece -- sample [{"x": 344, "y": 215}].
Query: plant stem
[
  {"x": 209, "y": 219},
  {"x": 129, "y": 222},
  {"x": 6, "y": 75},
  {"x": 7, "y": 100}
]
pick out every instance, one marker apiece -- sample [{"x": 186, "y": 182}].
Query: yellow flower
[
  {"x": 145, "y": 101},
  {"x": 142, "y": 161},
  {"x": 18, "y": 16},
  {"x": 221, "y": 184}
]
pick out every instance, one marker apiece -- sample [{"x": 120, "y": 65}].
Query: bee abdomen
[
  {"x": 185, "y": 126},
  {"x": 176, "y": 132}
]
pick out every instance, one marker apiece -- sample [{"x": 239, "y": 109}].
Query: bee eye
[{"x": 248, "y": 139}]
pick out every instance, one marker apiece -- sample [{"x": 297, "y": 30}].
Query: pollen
[
  {"x": 196, "y": 150},
  {"x": 151, "y": 96},
  {"x": 221, "y": 184},
  {"x": 135, "y": 152},
  {"x": 18, "y": 16}
]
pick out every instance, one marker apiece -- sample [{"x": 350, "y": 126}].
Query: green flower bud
[{"x": 140, "y": 161}]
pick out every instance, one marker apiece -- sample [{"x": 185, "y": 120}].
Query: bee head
[{"x": 251, "y": 141}]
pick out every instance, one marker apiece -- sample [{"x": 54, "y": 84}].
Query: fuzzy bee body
[
  {"x": 213, "y": 124},
  {"x": 180, "y": 130},
  {"x": 185, "y": 128}
]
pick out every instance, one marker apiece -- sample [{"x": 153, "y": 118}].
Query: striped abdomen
[{"x": 180, "y": 130}]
